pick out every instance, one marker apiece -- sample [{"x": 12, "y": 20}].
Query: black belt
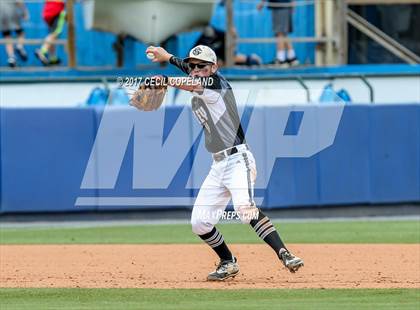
[{"x": 220, "y": 156}]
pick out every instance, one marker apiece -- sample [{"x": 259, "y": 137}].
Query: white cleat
[
  {"x": 226, "y": 269},
  {"x": 290, "y": 261}
]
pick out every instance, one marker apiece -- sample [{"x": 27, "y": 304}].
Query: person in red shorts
[{"x": 54, "y": 15}]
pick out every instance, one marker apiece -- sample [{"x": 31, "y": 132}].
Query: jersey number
[{"x": 202, "y": 118}]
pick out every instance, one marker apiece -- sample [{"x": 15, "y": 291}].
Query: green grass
[
  {"x": 209, "y": 299},
  {"x": 312, "y": 232}
]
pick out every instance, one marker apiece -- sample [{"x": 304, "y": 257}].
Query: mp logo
[{"x": 166, "y": 159}]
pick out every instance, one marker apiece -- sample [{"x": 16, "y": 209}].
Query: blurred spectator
[
  {"x": 282, "y": 26},
  {"x": 11, "y": 15},
  {"x": 54, "y": 15},
  {"x": 215, "y": 39}
]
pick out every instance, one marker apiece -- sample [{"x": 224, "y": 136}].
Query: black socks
[
  {"x": 216, "y": 241},
  {"x": 266, "y": 231},
  {"x": 262, "y": 226}
]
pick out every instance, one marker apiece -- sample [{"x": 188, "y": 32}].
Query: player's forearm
[
  {"x": 186, "y": 83},
  {"x": 178, "y": 62}
]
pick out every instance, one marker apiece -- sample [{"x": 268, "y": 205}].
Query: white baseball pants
[{"x": 231, "y": 178}]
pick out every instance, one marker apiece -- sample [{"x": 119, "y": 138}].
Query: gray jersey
[
  {"x": 10, "y": 15},
  {"x": 217, "y": 112}
]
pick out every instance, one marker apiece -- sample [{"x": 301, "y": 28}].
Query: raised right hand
[{"x": 161, "y": 55}]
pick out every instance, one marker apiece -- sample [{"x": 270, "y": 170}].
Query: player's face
[{"x": 201, "y": 69}]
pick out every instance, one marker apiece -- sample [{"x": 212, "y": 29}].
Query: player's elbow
[{"x": 198, "y": 89}]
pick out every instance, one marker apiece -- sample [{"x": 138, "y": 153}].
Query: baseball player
[{"x": 233, "y": 172}]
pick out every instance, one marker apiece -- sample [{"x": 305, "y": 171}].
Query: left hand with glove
[{"x": 150, "y": 94}]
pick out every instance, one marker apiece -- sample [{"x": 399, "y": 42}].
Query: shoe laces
[
  {"x": 286, "y": 255},
  {"x": 222, "y": 266}
]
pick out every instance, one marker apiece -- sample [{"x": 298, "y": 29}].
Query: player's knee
[
  {"x": 200, "y": 227},
  {"x": 247, "y": 213}
]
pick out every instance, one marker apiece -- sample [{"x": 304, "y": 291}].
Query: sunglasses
[{"x": 199, "y": 66}]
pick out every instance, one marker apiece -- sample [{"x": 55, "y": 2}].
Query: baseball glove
[{"x": 150, "y": 94}]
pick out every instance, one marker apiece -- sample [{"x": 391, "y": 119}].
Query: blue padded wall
[
  {"x": 394, "y": 153},
  {"x": 43, "y": 156},
  {"x": 375, "y": 158},
  {"x": 344, "y": 167}
]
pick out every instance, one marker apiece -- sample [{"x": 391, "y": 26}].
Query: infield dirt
[{"x": 186, "y": 266}]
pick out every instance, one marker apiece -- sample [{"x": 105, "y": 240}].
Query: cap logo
[{"x": 197, "y": 51}]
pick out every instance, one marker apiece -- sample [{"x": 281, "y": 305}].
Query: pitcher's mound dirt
[{"x": 186, "y": 266}]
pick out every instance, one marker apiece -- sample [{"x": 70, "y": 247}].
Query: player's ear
[{"x": 214, "y": 68}]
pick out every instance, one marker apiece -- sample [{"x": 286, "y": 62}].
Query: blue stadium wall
[
  {"x": 374, "y": 159},
  {"x": 94, "y": 48}
]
